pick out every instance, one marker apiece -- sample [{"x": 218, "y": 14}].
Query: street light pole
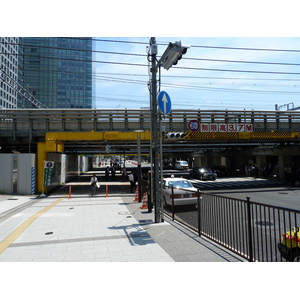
[
  {"x": 171, "y": 56},
  {"x": 155, "y": 189}
]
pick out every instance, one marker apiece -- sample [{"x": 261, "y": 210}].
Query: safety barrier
[{"x": 249, "y": 229}]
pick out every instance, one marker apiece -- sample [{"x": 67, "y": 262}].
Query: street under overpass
[{"x": 272, "y": 133}]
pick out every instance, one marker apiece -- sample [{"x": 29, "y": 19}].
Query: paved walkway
[{"x": 96, "y": 229}]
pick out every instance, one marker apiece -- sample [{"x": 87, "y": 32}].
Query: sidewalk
[{"x": 96, "y": 229}]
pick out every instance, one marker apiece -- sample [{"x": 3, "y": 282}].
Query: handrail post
[
  {"x": 199, "y": 211},
  {"x": 173, "y": 210},
  {"x": 249, "y": 230}
]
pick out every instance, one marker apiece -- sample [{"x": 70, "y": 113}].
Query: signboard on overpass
[
  {"x": 220, "y": 127},
  {"x": 194, "y": 125}
]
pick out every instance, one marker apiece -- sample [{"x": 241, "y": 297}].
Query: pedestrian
[
  {"x": 107, "y": 173},
  {"x": 94, "y": 184},
  {"x": 255, "y": 171},
  {"x": 124, "y": 173},
  {"x": 113, "y": 173},
  {"x": 132, "y": 183}
]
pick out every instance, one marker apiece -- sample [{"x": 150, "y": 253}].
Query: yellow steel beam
[
  {"x": 41, "y": 157},
  {"x": 190, "y": 135},
  {"x": 194, "y": 135},
  {"x": 94, "y": 136}
]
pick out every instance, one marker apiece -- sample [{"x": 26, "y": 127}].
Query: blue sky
[
  {"x": 241, "y": 24},
  {"x": 209, "y": 84}
]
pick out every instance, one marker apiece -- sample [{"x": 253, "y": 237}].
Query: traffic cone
[
  {"x": 136, "y": 195},
  {"x": 144, "y": 203}
]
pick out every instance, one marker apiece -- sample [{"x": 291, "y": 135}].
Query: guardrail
[
  {"x": 34, "y": 121},
  {"x": 249, "y": 229}
]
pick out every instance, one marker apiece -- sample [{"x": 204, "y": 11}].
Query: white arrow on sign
[{"x": 165, "y": 100}]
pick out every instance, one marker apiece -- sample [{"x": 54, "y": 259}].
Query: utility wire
[
  {"x": 144, "y": 55},
  {"x": 194, "y": 46},
  {"x": 183, "y": 68}
]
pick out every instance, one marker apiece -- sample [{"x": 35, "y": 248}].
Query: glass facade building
[
  {"x": 58, "y": 71},
  {"x": 9, "y": 68}
]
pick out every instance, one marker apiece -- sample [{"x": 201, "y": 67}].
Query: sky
[
  {"x": 241, "y": 79},
  {"x": 256, "y": 75}
]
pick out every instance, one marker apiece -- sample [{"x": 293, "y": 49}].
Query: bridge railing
[
  {"x": 46, "y": 120},
  {"x": 250, "y": 229}
]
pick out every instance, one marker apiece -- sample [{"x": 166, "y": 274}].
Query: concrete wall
[{"x": 17, "y": 173}]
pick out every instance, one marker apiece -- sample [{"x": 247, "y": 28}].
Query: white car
[
  {"x": 181, "y": 165},
  {"x": 184, "y": 192}
]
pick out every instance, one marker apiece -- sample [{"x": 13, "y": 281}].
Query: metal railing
[
  {"x": 250, "y": 229},
  {"x": 47, "y": 120}
]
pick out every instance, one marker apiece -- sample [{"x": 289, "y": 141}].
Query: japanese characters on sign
[{"x": 222, "y": 127}]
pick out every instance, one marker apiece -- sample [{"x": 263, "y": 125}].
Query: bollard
[
  {"x": 70, "y": 192},
  {"x": 106, "y": 196}
]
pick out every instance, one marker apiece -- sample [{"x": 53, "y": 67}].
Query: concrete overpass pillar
[
  {"x": 281, "y": 164},
  {"x": 42, "y": 155},
  {"x": 260, "y": 164}
]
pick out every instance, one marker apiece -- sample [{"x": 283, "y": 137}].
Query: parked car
[
  {"x": 184, "y": 192},
  {"x": 203, "y": 173},
  {"x": 181, "y": 165},
  {"x": 294, "y": 178},
  {"x": 221, "y": 171},
  {"x": 289, "y": 247}
]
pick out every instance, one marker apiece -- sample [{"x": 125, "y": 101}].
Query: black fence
[{"x": 249, "y": 229}]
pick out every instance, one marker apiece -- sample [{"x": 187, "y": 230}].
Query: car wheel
[
  {"x": 296, "y": 258},
  {"x": 297, "y": 183},
  {"x": 296, "y": 255}
]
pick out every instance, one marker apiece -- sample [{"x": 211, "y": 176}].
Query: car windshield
[{"x": 180, "y": 184}]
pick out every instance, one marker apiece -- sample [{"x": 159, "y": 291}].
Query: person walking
[
  {"x": 132, "y": 182},
  {"x": 107, "y": 173},
  {"x": 113, "y": 173},
  {"x": 94, "y": 183}
]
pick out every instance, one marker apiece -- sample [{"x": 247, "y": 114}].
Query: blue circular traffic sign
[
  {"x": 164, "y": 102},
  {"x": 194, "y": 125}
]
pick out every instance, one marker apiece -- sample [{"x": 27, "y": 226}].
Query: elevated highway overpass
[{"x": 89, "y": 131}]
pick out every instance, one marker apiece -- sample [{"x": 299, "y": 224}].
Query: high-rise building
[
  {"x": 58, "y": 71},
  {"x": 9, "y": 50}
]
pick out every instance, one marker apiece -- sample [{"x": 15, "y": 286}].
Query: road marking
[{"x": 18, "y": 231}]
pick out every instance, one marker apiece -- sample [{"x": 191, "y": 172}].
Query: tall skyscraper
[
  {"x": 58, "y": 71},
  {"x": 9, "y": 50}
]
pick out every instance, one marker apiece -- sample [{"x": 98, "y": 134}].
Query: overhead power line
[
  {"x": 246, "y": 49},
  {"x": 196, "y": 46},
  {"x": 185, "y": 68},
  {"x": 144, "y": 55}
]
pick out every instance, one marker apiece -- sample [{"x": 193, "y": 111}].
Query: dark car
[
  {"x": 203, "y": 173},
  {"x": 220, "y": 170},
  {"x": 293, "y": 177}
]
